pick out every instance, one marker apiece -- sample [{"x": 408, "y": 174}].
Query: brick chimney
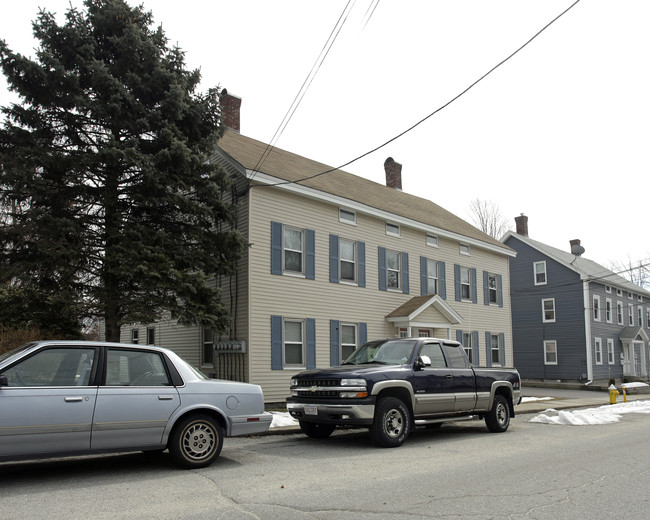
[
  {"x": 522, "y": 225},
  {"x": 230, "y": 110},
  {"x": 393, "y": 174}
]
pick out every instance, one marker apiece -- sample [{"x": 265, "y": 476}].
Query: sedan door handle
[
  {"x": 73, "y": 399},
  {"x": 165, "y": 397}
]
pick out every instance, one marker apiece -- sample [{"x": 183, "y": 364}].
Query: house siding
[
  {"x": 528, "y": 329},
  {"x": 320, "y": 299}
]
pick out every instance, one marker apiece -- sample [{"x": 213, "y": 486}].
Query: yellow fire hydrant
[
  {"x": 624, "y": 394},
  {"x": 612, "y": 394}
]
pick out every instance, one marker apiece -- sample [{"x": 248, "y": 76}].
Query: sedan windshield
[{"x": 392, "y": 352}]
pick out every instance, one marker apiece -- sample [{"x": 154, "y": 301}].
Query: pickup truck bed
[{"x": 391, "y": 386}]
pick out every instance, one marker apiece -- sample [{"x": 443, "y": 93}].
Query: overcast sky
[{"x": 559, "y": 132}]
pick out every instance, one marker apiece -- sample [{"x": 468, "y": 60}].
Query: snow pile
[
  {"x": 281, "y": 419},
  {"x": 606, "y": 414},
  {"x": 531, "y": 399}
]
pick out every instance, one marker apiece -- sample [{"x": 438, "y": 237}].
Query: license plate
[{"x": 311, "y": 410}]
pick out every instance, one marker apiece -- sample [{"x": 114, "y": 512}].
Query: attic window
[
  {"x": 432, "y": 240},
  {"x": 347, "y": 216},
  {"x": 392, "y": 229},
  {"x": 464, "y": 249}
]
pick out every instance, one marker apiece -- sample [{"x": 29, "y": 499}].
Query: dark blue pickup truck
[{"x": 391, "y": 386}]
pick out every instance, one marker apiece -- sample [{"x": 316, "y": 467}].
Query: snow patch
[{"x": 606, "y": 414}]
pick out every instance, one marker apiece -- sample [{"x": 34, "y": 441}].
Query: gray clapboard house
[{"x": 574, "y": 320}]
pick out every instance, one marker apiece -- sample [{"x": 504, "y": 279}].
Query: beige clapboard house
[{"x": 335, "y": 260}]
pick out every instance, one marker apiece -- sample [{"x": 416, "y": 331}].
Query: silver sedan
[{"x": 76, "y": 397}]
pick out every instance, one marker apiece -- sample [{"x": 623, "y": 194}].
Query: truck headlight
[
  {"x": 353, "y": 382},
  {"x": 293, "y": 382}
]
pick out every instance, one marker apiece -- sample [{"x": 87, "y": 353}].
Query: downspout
[{"x": 590, "y": 370}]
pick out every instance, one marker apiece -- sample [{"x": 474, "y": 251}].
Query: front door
[
  {"x": 628, "y": 360},
  {"x": 433, "y": 385},
  {"x": 53, "y": 384}
]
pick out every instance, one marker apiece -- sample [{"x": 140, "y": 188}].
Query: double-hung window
[
  {"x": 550, "y": 352},
  {"x": 548, "y": 310},
  {"x": 468, "y": 345},
  {"x": 348, "y": 339},
  {"x": 495, "y": 350},
  {"x": 432, "y": 276},
  {"x": 619, "y": 313},
  {"x": 465, "y": 283},
  {"x": 610, "y": 351},
  {"x": 294, "y": 345},
  {"x": 596, "y": 308},
  {"x": 540, "y": 272},
  {"x": 608, "y": 310},
  {"x": 293, "y": 250},
  {"x": 393, "y": 269},
  {"x": 348, "y": 260},
  {"x": 598, "y": 347}
]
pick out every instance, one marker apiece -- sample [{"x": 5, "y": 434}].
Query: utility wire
[
  {"x": 431, "y": 114},
  {"x": 306, "y": 84}
]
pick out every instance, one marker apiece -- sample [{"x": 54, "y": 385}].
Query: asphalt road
[{"x": 533, "y": 471}]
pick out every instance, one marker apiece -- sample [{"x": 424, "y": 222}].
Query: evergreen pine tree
[{"x": 112, "y": 205}]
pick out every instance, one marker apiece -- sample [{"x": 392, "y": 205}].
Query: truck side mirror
[{"x": 422, "y": 361}]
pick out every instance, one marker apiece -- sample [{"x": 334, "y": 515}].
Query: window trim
[
  {"x": 464, "y": 249},
  {"x": 595, "y": 310},
  {"x": 135, "y": 336},
  {"x": 608, "y": 310},
  {"x": 620, "y": 319},
  {"x": 350, "y": 221},
  {"x": 535, "y": 264},
  {"x": 398, "y": 271},
  {"x": 436, "y": 278},
  {"x": 356, "y": 338},
  {"x": 354, "y": 262},
  {"x": 544, "y": 319},
  {"x": 393, "y": 230},
  {"x": 301, "y": 251},
  {"x": 303, "y": 363},
  {"x": 553, "y": 343},
  {"x": 611, "y": 358},
  {"x": 598, "y": 351},
  {"x": 434, "y": 239}
]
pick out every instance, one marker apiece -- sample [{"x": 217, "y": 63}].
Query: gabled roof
[
  {"x": 633, "y": 333},
  {"x": 280, "y": 165},
  {"x": 411, "y": 309},
  {"x": 587, "y": 269}
]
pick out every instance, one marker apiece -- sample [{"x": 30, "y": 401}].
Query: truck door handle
[{"x": 448, "y": 376}]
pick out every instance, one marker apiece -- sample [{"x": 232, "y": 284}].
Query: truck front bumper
[{"x": 353, "y": 414}]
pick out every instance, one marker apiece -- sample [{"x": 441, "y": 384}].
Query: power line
[
  {"x": 306, "y": 83},
  {"x": 502, "y": 62}
]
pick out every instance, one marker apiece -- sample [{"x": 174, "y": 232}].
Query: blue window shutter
[
  {"x": 361, "y": 256},
  {"x": 500, "y": 290},
  {"x": 381, "y": 253},
  {"x": 486, "y": 289},
  {"x": 502, "y": 348},
  {"x": 276, "y": 342},
  {"x": 442, "y": 280},
  {"x": 310, "y": 335},
  {"x": 475, "y": 350},
  {"x": 276, "y": 248},
  {"x": 423, "y": 276},
  {"x": 310, "y": 254},
  {"x": 457, "y": 282},
  {"x": 334, "y": 258},
  {"x": 473, "y": 277},
  {"x": 488, "y": 349},
  {"x": 363, "y": 332},
  {"x": 405, "y": 273},
  {"x": 334, "y": 343},
  {"x": 459, "y": 336}
]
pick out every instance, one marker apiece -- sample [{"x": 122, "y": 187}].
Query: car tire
[
  {"x": 196, "y": 441},
  {"x": 316, "y": 430},
  {"x": 392, "y": 423},
  {"x": 498, "y": 418}
]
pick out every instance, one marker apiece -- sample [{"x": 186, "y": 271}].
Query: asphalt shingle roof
[{"x": 292, "y": 167}]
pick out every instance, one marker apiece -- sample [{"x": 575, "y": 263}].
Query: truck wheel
[
  {"x": 316, "y": 430},
  {"x": 392, "y": 423},
  {"x": 498, "y": 418}
]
